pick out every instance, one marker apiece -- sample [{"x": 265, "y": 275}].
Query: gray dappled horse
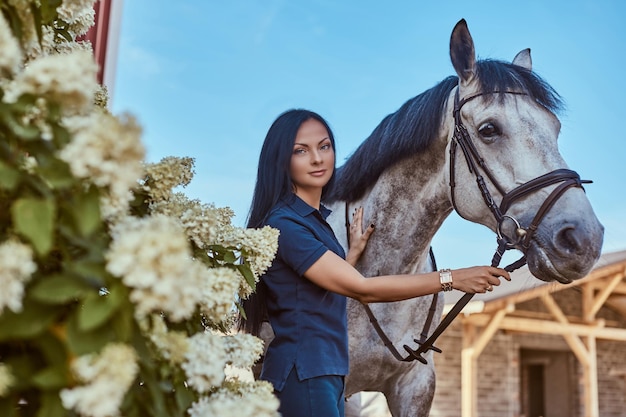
[{"x": 401, "y": 175}]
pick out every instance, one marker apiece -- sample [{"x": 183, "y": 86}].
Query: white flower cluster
[
  {"x": 106, "y": 150},
  {"x": 202, "y": 222},
  {"x": 6, "y": 379},
  {"x": 258, "y": 246},
  {"x": 255, "y": 399},
  {"x": 114, "y": 207},
  {"x": 218, "y": 292},
  {"x": 243, "y": 349},
  {"x": 79, "y": 14},
  {"x": 153, "y": 257},
  {"x": 204, "y": 362},
  {"x": 10, "y": 52},
  {"x": 172, "y": 345},
  {"x": 166, "y": 175},
  {"x": 16, "y": 269},
  {"x": 106, "y": 378},
  {"x": 69, "y": 79}
]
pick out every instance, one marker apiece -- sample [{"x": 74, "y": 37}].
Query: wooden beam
[
  {"x": 547, "y": 316},
  {"x": 620, "y": 288},
  {"x": 516, "y": 298},
  {"x": 604, "y": 293},
  {"x": 572, "y": 340},
  {"x": 486, "y": 335},
  {"x": 517, "y": 324}
]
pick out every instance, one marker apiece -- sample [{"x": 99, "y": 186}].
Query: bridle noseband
[{"x": 565, "y": 179}]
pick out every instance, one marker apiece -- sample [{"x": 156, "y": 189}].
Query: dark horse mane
[{"x": 413, "y": 127}]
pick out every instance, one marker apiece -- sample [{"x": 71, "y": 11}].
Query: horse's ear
[
  {"x": 462, "y": 52},
  {"x": 523, "y": 59}
]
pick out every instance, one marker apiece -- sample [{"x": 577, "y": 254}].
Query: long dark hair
[{"x": 272, "y": 184}]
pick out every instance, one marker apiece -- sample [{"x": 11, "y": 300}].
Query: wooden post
[
  {"x": 468, "y": 372},
  {"x": 592, "y": 404},
  {"x": 473, "y": 346}
]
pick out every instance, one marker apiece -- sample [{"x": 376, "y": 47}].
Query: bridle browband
[{"x": 565, "y": 179}]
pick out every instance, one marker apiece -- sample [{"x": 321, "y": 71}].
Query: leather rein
[{"x": 565, "y": 179}]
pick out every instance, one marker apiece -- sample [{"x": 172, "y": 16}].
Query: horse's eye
[{"x": 489, "y": 130}]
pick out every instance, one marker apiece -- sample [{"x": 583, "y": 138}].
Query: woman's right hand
[
  {"x": 358, "y": 237},
  {"x": 478, "y": 279}
]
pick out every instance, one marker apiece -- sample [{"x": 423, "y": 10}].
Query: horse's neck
[{"x": 407, "y": 205}]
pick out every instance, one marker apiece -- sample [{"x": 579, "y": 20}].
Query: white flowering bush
[{"x": 118, "y": 293}]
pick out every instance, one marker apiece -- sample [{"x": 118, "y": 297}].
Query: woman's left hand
[{"x": 358, "y": 237}]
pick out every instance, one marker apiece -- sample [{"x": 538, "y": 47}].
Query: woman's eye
[
  {"x": 299, "y": 151},
  {"x": 325, "y": 147},
  {"x": 489, "y": 130}
]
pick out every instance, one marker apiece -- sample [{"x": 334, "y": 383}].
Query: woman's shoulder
[
  {"x": 288, "y": 214},
  {"x": 280, "y": 214}
]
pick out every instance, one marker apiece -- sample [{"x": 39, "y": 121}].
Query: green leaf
[
  {"x": 15, "y": 21},
  {"x": 184, "y": 396},
  {"x": 59, "y": 289},
  {"x": 86, "y": 211},
  {"x": 37, "y": 18},
  {"x": 241, "y": 310},
  {"x": 229, "y": 257},
  {"x": 60, "y": 136},
  {"x": 25, "y": 132},
  {"x": 9, "y": 177},
  {"x": 157, "y": 400},
  {"x": 56, "y": 173},
  {"x": 7, "y": 407},
  {"x": 49, "y": 10},
  {"x": 23, "y": 366},
  {"x": 33, "y": 320},
  {"x": 34, "y": 219},
  {"x": 51, "y": 405},
  {"x": 82, "y": 342},
  {"x": 92, "y": 270},
  {"x": 52, "y": 347},
  {"x": 53, "y": 377},
  {"x": 97, "y": 309},
  {"x": 123, "y": 322},
  {"x": 248, "y": 275}
]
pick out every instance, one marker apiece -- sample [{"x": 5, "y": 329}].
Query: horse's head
[{"x": 505, "y": 134}]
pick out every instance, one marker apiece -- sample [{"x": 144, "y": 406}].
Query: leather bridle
[
  {"x": 565, "y": 179},
  {"x": 475, "y": 163}
]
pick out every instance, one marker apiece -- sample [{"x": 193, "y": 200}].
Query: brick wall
[{"x": 611, "y": 387}]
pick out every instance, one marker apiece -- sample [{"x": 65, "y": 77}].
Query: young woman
[{"x": 304, "y": 291}]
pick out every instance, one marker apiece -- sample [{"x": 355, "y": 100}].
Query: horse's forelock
[{"x": 495, "y": 75}]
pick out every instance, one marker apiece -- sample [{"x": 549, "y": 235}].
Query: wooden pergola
[{"x": 481, "y": 319}]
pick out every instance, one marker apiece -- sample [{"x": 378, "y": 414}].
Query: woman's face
[{"x": 313, "y": 157}]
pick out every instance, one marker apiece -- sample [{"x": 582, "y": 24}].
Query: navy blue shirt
[{"x": 309, "y": 322}]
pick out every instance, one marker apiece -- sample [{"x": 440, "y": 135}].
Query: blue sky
[{"x": 206, "y": 78}]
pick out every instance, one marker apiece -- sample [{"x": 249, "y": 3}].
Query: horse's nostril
[{"x": 568, "y": 240}]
